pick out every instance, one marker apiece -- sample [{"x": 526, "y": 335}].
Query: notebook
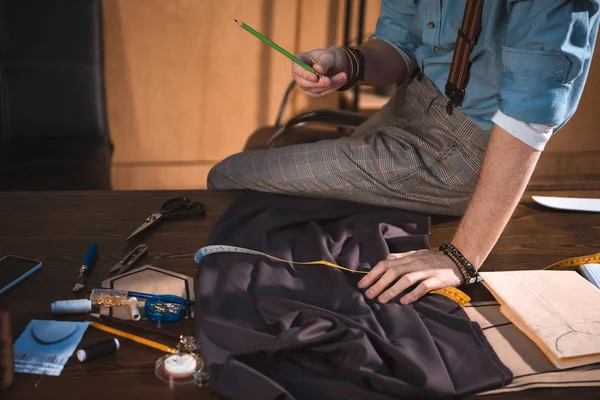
[
  {"x": 592, "y": 273},
  {"x": 558, "y": 310}
]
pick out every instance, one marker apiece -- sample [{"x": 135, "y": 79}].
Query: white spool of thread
[
  {"x": 133, "y": 309},
  {"x": 71, "y": 306},
  {"x": 180, "y": 365}
]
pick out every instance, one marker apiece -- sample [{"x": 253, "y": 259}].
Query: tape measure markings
[
  {"x": 451, "y": 292},
  {"x": 457, "y": 295},
  {"x": 576, "y": 261}
]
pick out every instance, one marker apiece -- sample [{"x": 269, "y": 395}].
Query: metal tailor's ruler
[
  {"x": 450, "y": 292},
  {"x": 576, "y": 262}
]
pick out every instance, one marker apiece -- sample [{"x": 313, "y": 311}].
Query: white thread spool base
[{"x": 178, "y": 368}]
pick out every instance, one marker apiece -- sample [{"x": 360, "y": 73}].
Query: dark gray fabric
[{"x": 278, "y": 331}]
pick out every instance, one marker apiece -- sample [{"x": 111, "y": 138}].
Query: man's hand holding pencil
[
  {"x": 318, "y": 72},
  {"x": 332, "y": 63},
  {"x": 323, "y": 71}
]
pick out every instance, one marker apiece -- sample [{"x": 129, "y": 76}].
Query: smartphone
[{"x": 14, "y": 269}]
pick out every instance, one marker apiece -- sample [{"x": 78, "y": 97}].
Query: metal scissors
[
  {"x": 177, "y": 207},
  {"x": 129, "y": 259}
]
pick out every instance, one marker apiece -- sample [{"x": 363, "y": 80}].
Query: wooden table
[{"x": 57, "y": 228}]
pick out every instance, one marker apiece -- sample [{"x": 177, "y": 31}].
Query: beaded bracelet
[
  {"x": 356, "y": 59},
  {"x": 465, "y": 275},
  {"x": 460, "y": 260}
]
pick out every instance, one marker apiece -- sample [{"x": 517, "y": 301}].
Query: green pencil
[{"x": 277, "y": 47}]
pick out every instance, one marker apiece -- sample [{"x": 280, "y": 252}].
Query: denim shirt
[{"x": 531, "y": 60}]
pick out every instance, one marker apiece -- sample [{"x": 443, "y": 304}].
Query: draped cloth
[{"x": 273, "y": 330}]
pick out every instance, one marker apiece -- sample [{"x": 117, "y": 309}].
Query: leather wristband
[{"x": 356, "y": 61}]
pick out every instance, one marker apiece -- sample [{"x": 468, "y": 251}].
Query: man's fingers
[
  {"x": 338, "y": 80},
  {"x": 320, "y": 60},
  {"x": 322, "y": 84},
  {"x": 298, "y": 72},
  {"x": 318, "y": 86},
  {"x": 396, "y": 256},
  {"x": 386, "y": 280},
  {"x": 323, "y": 62},
  {"x": 309, "y": 58},
  {"x": 335, "y": 83},
  {"x": 423, "y": 288},
  {"x": 321, "y": 67},
  {"x": 383, "y": 266},
  {"x": 403, "y": 283},
  {"x": 323, "y": 94},
  {"x": 373, "y": 274}
]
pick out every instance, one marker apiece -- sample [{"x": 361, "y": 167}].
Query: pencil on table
[
  {"x": 135, "y": 338},
  {"x": 137, "y": 325}
]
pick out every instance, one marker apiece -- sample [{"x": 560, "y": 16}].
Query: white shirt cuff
[{"x": 534, "y": 135}]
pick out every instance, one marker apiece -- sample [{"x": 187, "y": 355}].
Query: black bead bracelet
[
  {"x": 465, "y": 275},
  {"x": 460, "y": 260}
]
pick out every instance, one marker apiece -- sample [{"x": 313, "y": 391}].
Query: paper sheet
[
  {"x": 558, "y": 310},
  {"x": 529, "y": 365},
  {"x": 569, "y": 203},
  {"x": 32, "y": 356}
]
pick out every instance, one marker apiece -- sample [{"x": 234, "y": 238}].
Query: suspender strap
[{"x": 466, "y": 39}]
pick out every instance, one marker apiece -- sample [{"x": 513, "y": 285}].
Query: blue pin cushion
[{"x": 165, "y": 308}]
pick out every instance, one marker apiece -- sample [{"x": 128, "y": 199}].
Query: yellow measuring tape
[
  {"x": 576, "y": 262},
  {"x": 452, "y": 293},
  {"x": 458, "y": 296}
]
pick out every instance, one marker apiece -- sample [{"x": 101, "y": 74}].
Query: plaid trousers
[{"x": 411, "y": 155}]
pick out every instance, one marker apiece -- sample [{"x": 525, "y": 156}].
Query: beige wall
[{"x": 186, "y": 86}]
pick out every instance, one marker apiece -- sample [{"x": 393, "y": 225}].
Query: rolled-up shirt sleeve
[
  {"x": 546, "y": 58},
  {"x": 534, "y": 135},
  {"x": 393, "y": 27}
]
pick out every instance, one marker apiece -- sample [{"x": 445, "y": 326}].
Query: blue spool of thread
[{"x": 165, "y": 308}]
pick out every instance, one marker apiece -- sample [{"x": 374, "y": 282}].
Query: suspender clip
[
  {"x": 455, "y": 95},
  {"x": 470, "y": 42}
]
